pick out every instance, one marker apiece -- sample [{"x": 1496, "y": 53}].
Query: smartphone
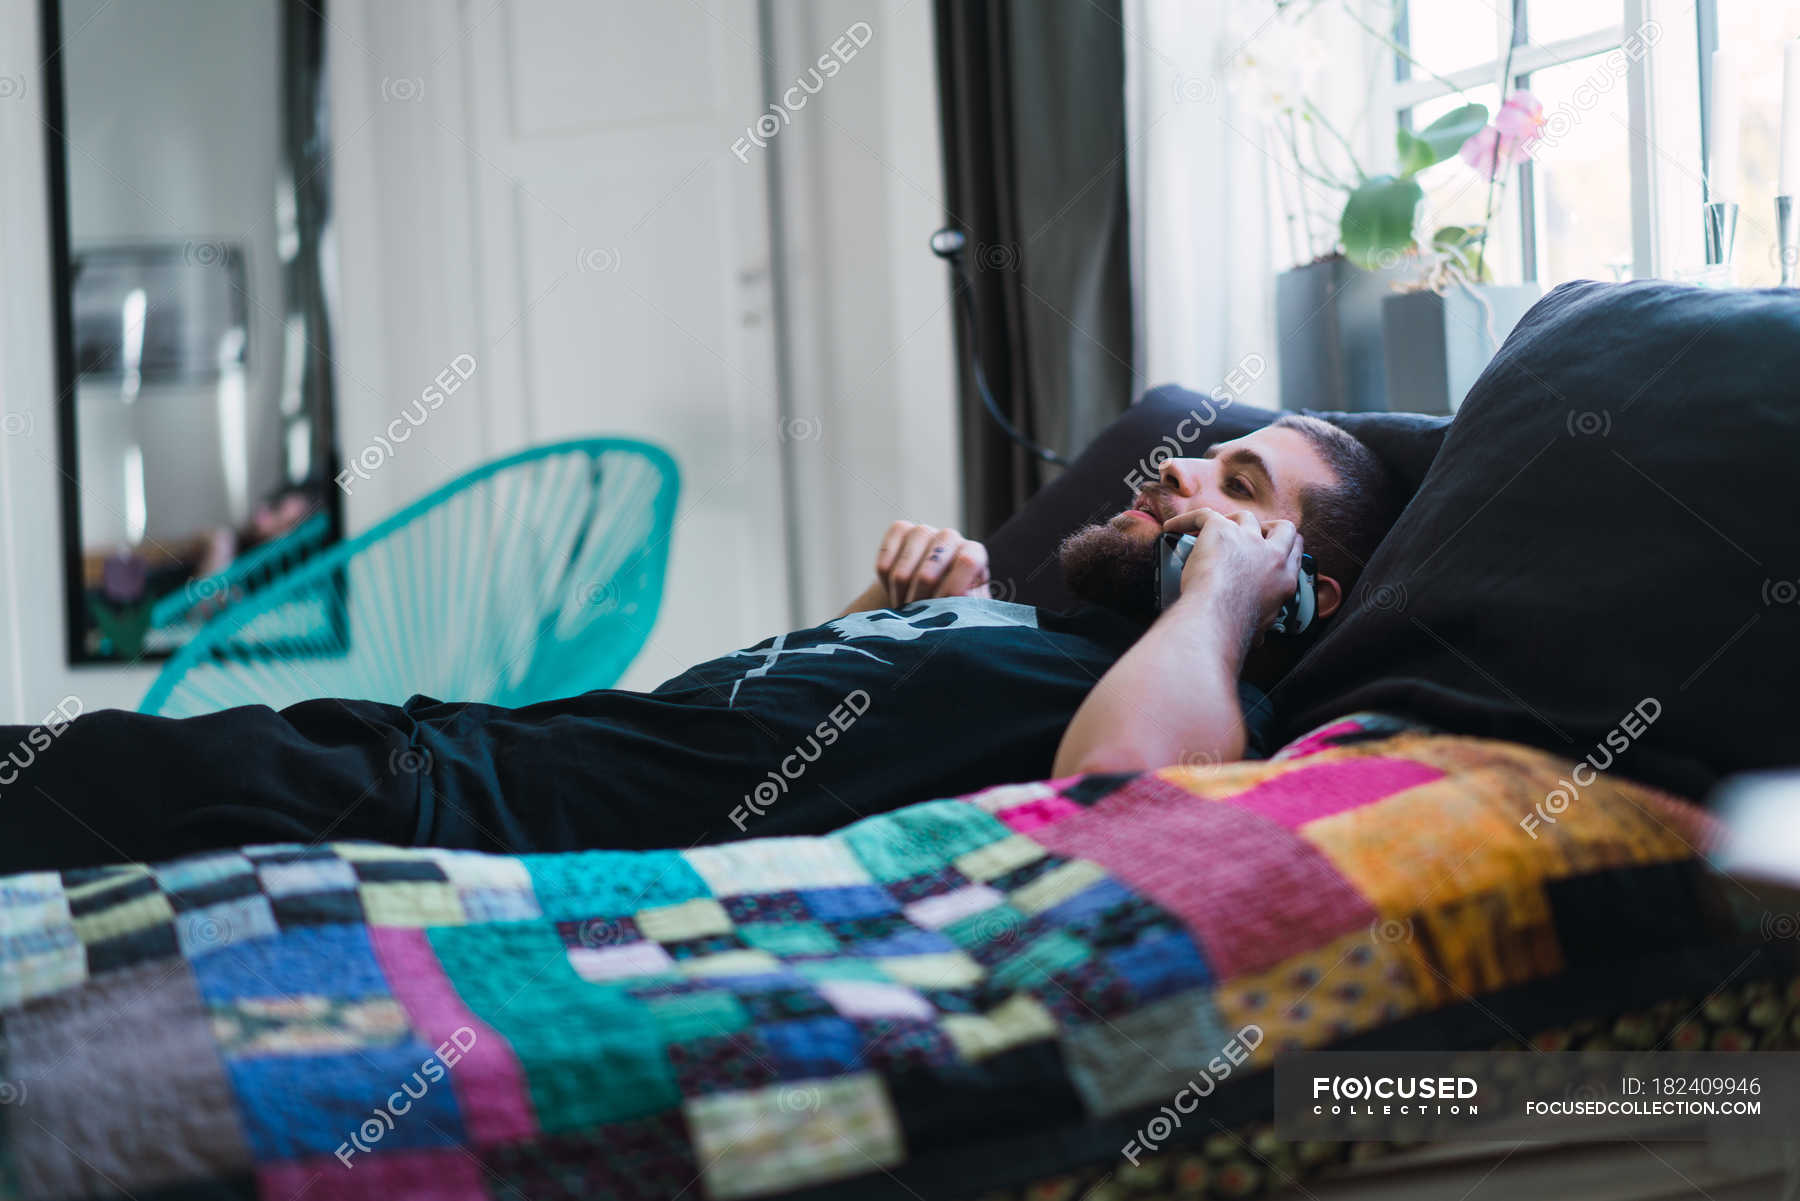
[{"x": 1172, "y": 552}]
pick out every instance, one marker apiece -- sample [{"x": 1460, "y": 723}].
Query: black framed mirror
[{"x": 190, "y": 210}]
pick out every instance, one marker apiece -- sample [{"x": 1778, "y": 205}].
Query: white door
[{"x": 555, "y": 182}]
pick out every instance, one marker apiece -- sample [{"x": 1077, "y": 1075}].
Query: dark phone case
[{"x": 1171, "y": 556}]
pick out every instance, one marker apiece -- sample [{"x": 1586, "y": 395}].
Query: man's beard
[{"x": 1105, "y": 566}]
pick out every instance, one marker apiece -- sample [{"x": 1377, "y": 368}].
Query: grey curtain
[
  {"x": 306, "y": 140},
  {"x": 1032, "y": 104}
]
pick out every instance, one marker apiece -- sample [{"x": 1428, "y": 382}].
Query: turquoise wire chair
[
  {"x": 535, "y": 576},
  {"x": 245, "y": 574}
]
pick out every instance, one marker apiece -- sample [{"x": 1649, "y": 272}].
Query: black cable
[{"x": 948, "y": 245}]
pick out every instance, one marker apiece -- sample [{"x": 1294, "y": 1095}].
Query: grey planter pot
[
  {"x": 1328, "y": 324},
  {"x": 1435, "y": 346}
]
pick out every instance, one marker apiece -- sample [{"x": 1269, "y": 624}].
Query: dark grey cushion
[
  {"x": 1167, "y": 421},
  {"x": 1611, "y": 518}
]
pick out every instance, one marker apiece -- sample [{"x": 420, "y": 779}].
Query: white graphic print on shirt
[{"x": 904, "y": 625}]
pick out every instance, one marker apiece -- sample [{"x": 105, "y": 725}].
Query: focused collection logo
[{"x": 1408, "y": 1096}]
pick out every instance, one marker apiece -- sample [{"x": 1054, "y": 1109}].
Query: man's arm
[
  {"x": 1173, "y": 695},
  {"x": 919, "y": 561}
]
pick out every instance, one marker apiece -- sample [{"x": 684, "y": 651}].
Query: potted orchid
[
  {"x": 1328, "y": 311},
  {"x": 1440, "y": 329},
  {"x": 1369, "y": 244}
]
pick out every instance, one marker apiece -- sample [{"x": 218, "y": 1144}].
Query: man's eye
[{"x": 1239, "y": 485}]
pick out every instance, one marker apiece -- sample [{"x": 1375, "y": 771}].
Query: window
[
  {"x": 1754, "y": 30},
  {"x": 1612, "y": 190},
  {"x": 1581, "y": 179}
]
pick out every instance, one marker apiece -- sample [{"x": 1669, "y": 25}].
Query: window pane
[
  {"x": 1448, "y": 35},
  {"x": 1583, "y": 173},
  {"x": 1549, "y": 21},
  {"x": 1753, "y": 30}
]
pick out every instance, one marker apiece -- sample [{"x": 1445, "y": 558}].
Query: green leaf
[
  {"x": 1452, "y": 237},
  {"x": 1377, "y": 225},
  {"x": 1415, "y": 152},
  {"x": 1445, "y": 136}
]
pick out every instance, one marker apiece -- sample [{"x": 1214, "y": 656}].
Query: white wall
[
  {"x": 470, "y": 140},
  {"x": 870, "y": 336}
]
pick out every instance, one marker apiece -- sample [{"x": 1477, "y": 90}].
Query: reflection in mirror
[{"x": 191, "y": 207}]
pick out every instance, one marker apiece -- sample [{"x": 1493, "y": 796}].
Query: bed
[
  {"x": 992, "y": 995},
  {"x": 1000, "y": 995}
]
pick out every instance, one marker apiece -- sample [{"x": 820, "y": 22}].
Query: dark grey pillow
[
  {"x": 1167, "y": 421},
  {"x": 1611, "y": 520}
]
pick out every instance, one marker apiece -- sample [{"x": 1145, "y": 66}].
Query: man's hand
[
  {"x": 1173, "y": 695},
  {"x": 1245, "y": 570},
  {"x": 920, "y": 561}
]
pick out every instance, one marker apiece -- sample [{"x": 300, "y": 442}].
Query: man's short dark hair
[{"x": 1343, "y": 524}]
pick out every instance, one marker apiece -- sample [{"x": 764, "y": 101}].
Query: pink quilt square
[
  {"x": 1318, "y": 740},
  {"x": 489, "y": 1084},
  {"x": 1249, "y": 890},
  {"x": 1321, "y": 789},
  {"x": 1032, "y": 814}
]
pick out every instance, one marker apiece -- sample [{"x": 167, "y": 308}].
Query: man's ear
[{"x": 1328, "y": 595}]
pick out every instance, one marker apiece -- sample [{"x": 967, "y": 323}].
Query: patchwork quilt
[{"x": 944, "y": 1000}]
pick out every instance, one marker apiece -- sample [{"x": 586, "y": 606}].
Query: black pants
[
  {"x": 570, "y": 774},
  {"x": 115, "y": 786}
]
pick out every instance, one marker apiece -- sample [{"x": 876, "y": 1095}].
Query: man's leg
[{"x": 115, "y": 786}]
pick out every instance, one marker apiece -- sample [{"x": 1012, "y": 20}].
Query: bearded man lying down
[{"x": 925, "y": 686}]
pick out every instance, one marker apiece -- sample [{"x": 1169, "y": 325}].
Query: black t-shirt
[{"x": 802, "y": 733}]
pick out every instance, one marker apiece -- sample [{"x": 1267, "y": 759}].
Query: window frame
[{"x": 1658, "y": 195}]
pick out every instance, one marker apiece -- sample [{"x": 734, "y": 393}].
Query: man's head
[{"x": 1298, "y": 469}]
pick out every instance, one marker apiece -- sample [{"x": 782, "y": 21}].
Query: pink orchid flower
[{"x": 1494, "y": 148}]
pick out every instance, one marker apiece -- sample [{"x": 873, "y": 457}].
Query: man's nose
[{"x": 1182, "y": 476}]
